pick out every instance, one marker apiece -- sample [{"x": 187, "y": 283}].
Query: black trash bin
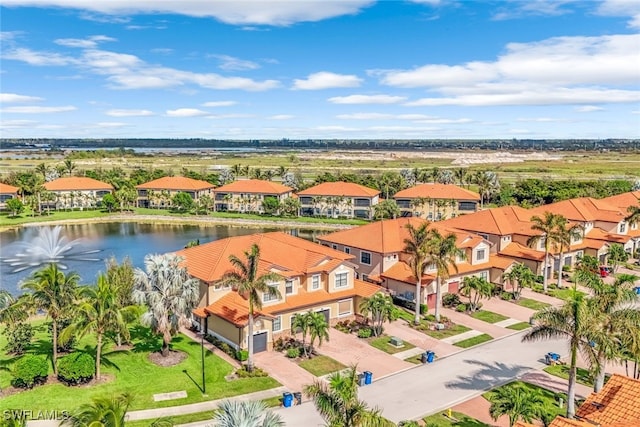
[
  {"x": 423, "y": 357},
  {"x": 361, "y": 380},
  {"x": 297, "y": 397}
]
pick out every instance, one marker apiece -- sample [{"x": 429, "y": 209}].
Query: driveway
[
  {"x": 509, "y": 309},
  {"x": 476, "y": 324},
  {"x": 285, "y": 371},
  {"x": 400, "y": 329}
]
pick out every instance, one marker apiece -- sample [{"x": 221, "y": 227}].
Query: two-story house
[
  {"x": 248, "y": 195},
  {"x": 7, "y": 192},
  {"x": 338, "y": 200},
  {"x": 77, "y": 192},
  {"x": 313, "y": 277},
  {"x": 436, "y": 202},
  {"x": 623, "y": 202},
  {"x": 159, "y": 192}
]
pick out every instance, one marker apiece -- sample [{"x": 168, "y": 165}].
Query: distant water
[{"x": 120, "y": 240}]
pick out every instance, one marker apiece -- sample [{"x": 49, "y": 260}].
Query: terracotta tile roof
[
  {"x": 523, "y": 424},
  {"x": 254, "y": 186},
  {"x": 566, "y": 422},
  {"x": 517, "y": 250},
  {"x": 235, "y": 309},
  {"x": 437, "y": 191},
  {"x": 501, "y": 221},
  {"x": 76, "y": 183},
  {"x": 8, "y": 189},
  {"x": 618, "y": 401},
  {"x": 624, "y": 200},
  {"x": 339, "y": 188},
  {"x": 599, "y": 234},
  {"x": 176, "y": 183},
  {"x": 278, "y": 252},
  {"x": 583, "y": 209}
]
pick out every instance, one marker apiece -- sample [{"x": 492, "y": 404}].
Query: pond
[{"x": 100, "y": 241}]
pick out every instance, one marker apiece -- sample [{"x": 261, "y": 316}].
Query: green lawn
[
  {"x": 321, "y": 365},
  {"x": 519, "y": 326},
  {"x": 25, "y": 218},
  {"x": 132, "y": 371},
  {"x": 532, "y": 304},
  {"x": 488, "y": 316},
  {"x": 454, "y": 329},
  {"x": 562, "y": 371},
  {"x": 382, "y": 343},
  {"x": 549, "y": 397},
  {"x": 563, "y": 294},
  {"x": 460, "y": 420},
  {"x": 470, "y": 342}
]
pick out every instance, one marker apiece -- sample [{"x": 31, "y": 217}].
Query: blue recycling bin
[
  {"x": 287, "y": 400},
  {"x": 554, "y": 356},
  {"x": 368, "y": 376},
  {"x": 428, "y": 356},
  {"x": 637, "y": 289}
]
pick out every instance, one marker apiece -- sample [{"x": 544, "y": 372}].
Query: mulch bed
[{"x": 172, "y": 359}]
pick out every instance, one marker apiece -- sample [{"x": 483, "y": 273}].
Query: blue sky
[{"x": 320, "y": 69}]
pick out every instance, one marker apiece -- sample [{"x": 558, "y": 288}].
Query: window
[
  {"x": 288, "y": 287},
  {"x": 567, "y": 260},
  {"x": 484, "y": 275},
  {"x": 266, "y": 296},
  {"x": 315, "y": 281},
  {"x": 276, "y": 325},
  {"x": 344, "y": 307},
  {"x": 347, "y": 250},
  {"x": 484, "y": 236},
  {"x": 579, "y": 254},
  {"x": 334, "y": 246},
  {"x": 341, "y": 280},
  {"x": 480, "y": 254},
  {"x": 365, "y": 277},
  {"x": 365, "y": 258},
  {"x": 623, "y": 228}
]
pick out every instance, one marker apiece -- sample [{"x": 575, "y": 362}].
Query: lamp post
[{"x": 204, "y": 328}]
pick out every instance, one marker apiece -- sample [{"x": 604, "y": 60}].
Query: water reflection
[{"x": 105, "y": 240}]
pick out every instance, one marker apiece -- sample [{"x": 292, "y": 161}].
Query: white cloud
[
  {"x": 18, "y": 124},
  {"x": 367, "y": 99},
  {"x": 365, "y": 116},
  {"x": 219, "y": 103},
  {"x": 281, "y": 13},
  {"x": 429, "y": 2},
  {"x": 87, "y": 43},
  {"x": 541, "y": 119},
  {"x": 281, "y": 117},
  {"x": 628, "y": 8},
  {"x": 38, "y": 58},
  {"x": 129, "y": 113},
  {"x": 519, "y": 9},
  {"x": 110, "y": 124},
  {"x": 326, "y": 80},
  {"x": 444, "y": 121},
  {"x": 416, "y": 118},
  {"x": 588, "y": 108},
  {"x": 14, "y": 97},
  {"x": 231, "y": 63},
  {"x": 34, "y": 109},
  {"x": 186, "y": 112}
]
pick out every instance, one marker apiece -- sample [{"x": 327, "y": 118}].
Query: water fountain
[{"x": 49, "y": 246}]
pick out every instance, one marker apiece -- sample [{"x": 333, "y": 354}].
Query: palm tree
[
  {"x": 616, "y": 255},
  {"x": 300, "y": 323},
  {"x": 318, "y": 329},
  {"x": 460, "y": 174},
  {"x": 475, "y": 288},
  {"x": 517, "y": 402},
  {"x": 54, "y": 292},
  {"x": 546, "y": 226},
  {"x": 416, "y": 248},
  {"x": 12, "y": 310},
  {"x": 520, "y": 276},
  {"x": 338, "y": 403},
  {"x": 102, "y": 412},
  {"x": 69, "y": 166},
  {"x": 169, "y": 294},
  {"x": 564, "y": 235},
  {"x": 246, "y": 281},
  {"x": 442, "y": 252},
  {"x": 634, "y": 215},
  {"x": 615, "y": 319},
  {"x": 568, "y": 321},
  {"x": 235, "y": 413},
  {"x": 99, "y": 312},
  {"x": 380, "y": 307}
]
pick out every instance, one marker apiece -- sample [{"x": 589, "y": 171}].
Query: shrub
[
  {"x": 76, "y": 368},
  {"x": 343, "y": 326},
  {"x": 424, "y": 309},
  {"x": 364, "y": 333},
  {"x": 293, "y": 353},
  {"x": 450, "y": 300},
  {"x": 507, "y": 296},
  {"x": 566, "y": 268},
  {"x": 242, "y": 355},
  {"x": 540, "y": 279},
  {"x": 244, "y": 373},
  {"x": 18, "y": 338},
  {"x": 461, "y": 308},
  {"x": 30, "y": 370},
  {"x": 223, "y": 346}
]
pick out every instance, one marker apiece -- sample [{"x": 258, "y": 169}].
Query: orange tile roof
[
  {"x": 235, "y": 309},
  {"x": 339, "y": 188},
  {"x": 278, "y": 252},
  {"x": 388, "y": 236},
  {"x": 618, "y": 401},
  {"x": 76, "y": 183},
  {"x": 176, "y": 183},
  {"x": 517, "y": 250},
  {"x": 566, "y": 422},
  {"x": 8, "y": 189},
  {"x": 624, "y": 200},
  {"x": 254, "y": 186},
  {"x": 437, "y": 191},
  {"x": 584, "y": 209},
  {"x": 501, "y": 221},
  {"x": 599, "y": 234}
]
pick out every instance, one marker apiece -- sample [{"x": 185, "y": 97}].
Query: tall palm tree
[
  {"x": 380, "y": 307},
  {"x": 53, "y": 291},
  {"x": 168, "y": 293},
  {"x": 615, "y": 318},
  {"x": 300, "y": 323},
  {"x": 634, "y": 214},
  {"x": 250, "y": 285},
  {"x": 546, "y": 226},
  {"x": 318, "y": 329},
  {"x": 520, "y": 276},
  {"x": 516, "y": 402},
  {"x": 101, "y": 412},
  {"x": 564, "y": 235},
  {"x": 568, "y": 321},
  {"x": 442, "y": 252},
  {"x": 416, "y": 247},
  {"x": 475, "y": 288},
  {"x": 12, "y": 310},
  {"x": 236, "y": 413},
  {"x": 99, "y": 312},
  {"x": 338, "y": 403},
  {"x": 616, "y": 255},
  {"x": 69, "y": 166}
]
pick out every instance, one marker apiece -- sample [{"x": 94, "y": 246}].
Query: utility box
[
  {"x": 439, "y": 326},
  {"x": 396, "y": 342}
]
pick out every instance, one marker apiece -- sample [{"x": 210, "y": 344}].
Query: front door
[
  {"x": 326, "y": 314},
  {"x": 259, "y": 342}
]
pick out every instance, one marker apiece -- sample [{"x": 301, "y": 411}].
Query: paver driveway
[
  {"x": 400, "y": 329},
  {"x": 285, "y": 371}
]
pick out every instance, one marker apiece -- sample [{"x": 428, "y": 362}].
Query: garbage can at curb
[
  {"x": 368, "y": 377},
  {"x": 287, "y": 399},
  {"x": 361, "y": 380},
  {"x": 297, "y": 397}
]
